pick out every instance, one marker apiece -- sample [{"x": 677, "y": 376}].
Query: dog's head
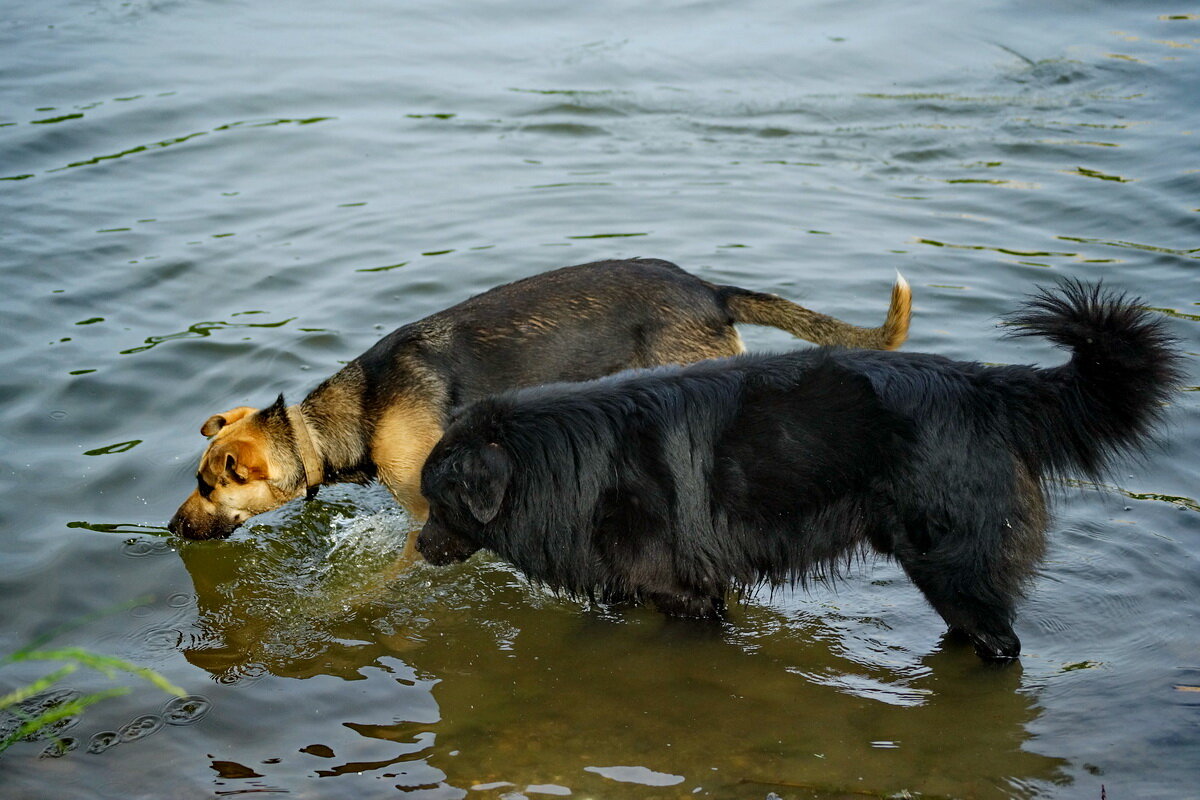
[
  {"x": 464, "y": 480},
  {"x": 250, "y": 466}
]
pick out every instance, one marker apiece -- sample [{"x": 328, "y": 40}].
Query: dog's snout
[
  {"x": 430, "y": 552},
  {"x": 210, "y": 528},
  {"x": 180, "y": 526},
  {"x": 192, "y": 521},
  {"x": 440, "y": 548}
]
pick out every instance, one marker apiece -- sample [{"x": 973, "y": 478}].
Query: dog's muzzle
[
  {"x": 440, "y": 547},
  {"x": 201, "y": 528}
]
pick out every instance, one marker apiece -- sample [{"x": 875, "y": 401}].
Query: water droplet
[
  {"x": 140, "y": 548},
  {"x": 141, "y": 727},
  {"x": 136, "y": 548},
  {"x": 164, "y": 639},
  {"x": 59, "y": 747},
  {"x": 103, "y": 741},
  {"x": 186, "y": 710}
]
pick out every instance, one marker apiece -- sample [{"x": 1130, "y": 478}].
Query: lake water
[{"x": 205, "y": 204}]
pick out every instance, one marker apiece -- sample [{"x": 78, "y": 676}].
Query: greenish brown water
[{"x": 205, "y": 204}]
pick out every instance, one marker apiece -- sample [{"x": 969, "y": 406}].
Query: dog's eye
[{"x": 204, "y": 487}]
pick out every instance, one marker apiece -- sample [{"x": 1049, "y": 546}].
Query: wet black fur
[{"x": 673, "y": 485}]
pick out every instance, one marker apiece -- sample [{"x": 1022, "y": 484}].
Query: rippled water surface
[{"x": 204, "y": 204}]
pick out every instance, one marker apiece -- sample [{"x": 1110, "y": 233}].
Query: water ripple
[{"x": 177, "y": 140}]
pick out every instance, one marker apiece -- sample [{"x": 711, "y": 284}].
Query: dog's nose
[
  {"x": 434, "y": 554},
  {"x": 181, "y": 526},
  {"x": 428, "y": 552},
  {"x": 202, "y": 528}
]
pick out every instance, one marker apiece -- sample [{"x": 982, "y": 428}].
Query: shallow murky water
[{"x": 204, "y": 204}]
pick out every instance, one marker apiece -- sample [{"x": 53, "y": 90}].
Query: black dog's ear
[{"x": 485, "y": 477}]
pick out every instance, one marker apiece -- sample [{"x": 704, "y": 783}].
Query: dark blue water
[{"x": 205, "y": 204}]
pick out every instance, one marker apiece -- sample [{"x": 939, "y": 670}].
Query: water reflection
[{"x": 531, "y": 689}]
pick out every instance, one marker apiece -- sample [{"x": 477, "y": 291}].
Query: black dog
[{"x": 673, "y": 485}]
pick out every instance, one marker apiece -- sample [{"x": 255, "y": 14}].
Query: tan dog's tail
[{"x": 758, "y": 308}]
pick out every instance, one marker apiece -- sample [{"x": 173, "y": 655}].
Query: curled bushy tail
[{"x": 1107, "y": 399}]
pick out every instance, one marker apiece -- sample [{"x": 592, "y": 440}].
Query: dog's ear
[
  {"x": 245, "y": 462},
  {"x": 218, "y": 421},
  {"x": 485, "y": 477}
]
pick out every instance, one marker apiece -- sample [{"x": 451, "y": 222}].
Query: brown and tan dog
[{"x": 378, "y": 417}]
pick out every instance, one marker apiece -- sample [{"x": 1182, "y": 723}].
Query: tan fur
[
  {"x": 692, "y": 344},
  {"x": 403, "y": 438},
  {"x": 335, "y": 415},
  {"x": 899, "y": 316}
]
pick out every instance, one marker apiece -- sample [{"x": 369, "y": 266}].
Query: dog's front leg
[
  {"x": 406, "y": 488},
  {"x": 404, "y": 436}
]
